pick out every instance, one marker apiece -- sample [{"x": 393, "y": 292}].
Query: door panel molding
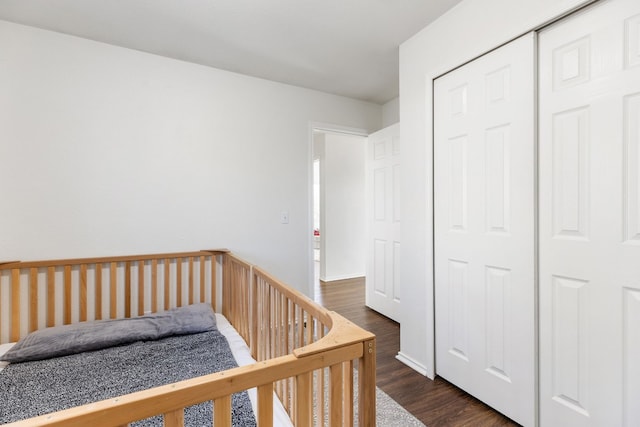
[{"x": 484, "y": 220}]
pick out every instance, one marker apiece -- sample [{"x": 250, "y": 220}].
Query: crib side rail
[
  {"x": 39, "y": 294},
  {"x": 278, "y": 320}
]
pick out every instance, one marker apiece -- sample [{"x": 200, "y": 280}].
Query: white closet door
[
  {"x": 383, "y": 206},
  {"x": 484, "y": 163},
  {"x": 590, "y": 218}
]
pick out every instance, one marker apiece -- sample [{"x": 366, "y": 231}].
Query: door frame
[{"x": 329, "y": 128}]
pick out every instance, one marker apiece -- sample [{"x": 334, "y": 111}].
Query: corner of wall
[{"x": 391, "y": 112}]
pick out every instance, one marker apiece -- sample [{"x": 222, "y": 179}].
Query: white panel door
[
  {"x": 383, "y": 247},
  {"x": 484, "y": 192},
  {"x": 590, "y": 218}
]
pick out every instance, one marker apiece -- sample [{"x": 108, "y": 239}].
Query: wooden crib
[{"x": 305, "y": 353}]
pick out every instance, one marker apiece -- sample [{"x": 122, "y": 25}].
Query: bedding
[
  {"x": 36, "y": 387},
  {"x": 88, "y": 336},
  {"x": 241, "y": 354}
]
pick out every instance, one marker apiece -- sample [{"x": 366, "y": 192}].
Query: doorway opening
[{"x": 339, "y": 217}]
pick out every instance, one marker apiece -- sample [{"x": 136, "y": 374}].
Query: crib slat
[
  {"x": 271, "y": 320},
  {"x": 174, "y": 418},
  {"x": 230, "y": 290},
  {"x": 264, "y": 344},
  {"x": 321, "y": 383},
  {"x": 154, "y": 285},
  {"x": 140, "y": 288},
  {"x": 202, "y": 279},
  {"x": 179, "y": 282},
  {"x": 190, "y": 280},
  {"x": 300, "y": 326},
  {"x": 98, "y": 296},
  {"x": 321, "y": 396},
  {"x": 33, "y": 299},
  {"x": 229, "y": 295},
  {"x": 281, "y": 335},
  {"x": 127, "y": 289},
  {"x": 244, "y": 301},
  {"x": 275, "y": 328},
  {"x": 51, "y": 296},
  {"x": 239, "y": 302},
  {"x": 303, "y": 399},
  {"x": 83, "y": 292},
  {"x": 214, "y": 283},
  {"x": 347, "y": 392},
  {"x": 335, "y": 396},
  {"x": 66, "y": 310},
  {"x": 228, "y": 275},
  {"x": 246, "y": 288},
  {"x": 266, "y": 327},
  {"x": 253, "y": 337},
  {"x": 236, "y": 294},
  {"x": 265, "y": 405},
  {"x": 222, "y": 411},
  {"x": 284, "y": 334},
  {"x": 309, "y": 326},
  {"x": 167, "y": 281},
  {"x": 279, "y": 324},
  {"x": 287, "y": 324},
  {"x": 113, "y": 311},
  {"x": 15, "y": 304},
  {"x": 293, "y": 412},
  {"x": 266, "y": 330}
]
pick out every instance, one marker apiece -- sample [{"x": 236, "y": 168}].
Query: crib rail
[
  {"x": 40, "y": 294},
  {"x": 305, "y": 353}
]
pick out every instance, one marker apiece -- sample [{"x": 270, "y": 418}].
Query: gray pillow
[{"x": 87, "y": 336}]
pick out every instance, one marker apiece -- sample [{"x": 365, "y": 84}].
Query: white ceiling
[{"x": 345, "y": 47}]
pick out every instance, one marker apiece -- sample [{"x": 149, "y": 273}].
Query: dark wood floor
[{"x": 435, "y": 403}]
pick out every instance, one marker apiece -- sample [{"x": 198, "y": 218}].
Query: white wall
[
  {"x": 391, "y": 112},
  {"x": 105, "y": 150},
  {"x": 342, "y": 201},
  {"x": 465, "y": 32}
]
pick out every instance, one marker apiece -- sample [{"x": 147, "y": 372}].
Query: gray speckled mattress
[{"x": 34, "y": 388}]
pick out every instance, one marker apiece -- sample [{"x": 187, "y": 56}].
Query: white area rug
[{"x": 390, "y": 414}]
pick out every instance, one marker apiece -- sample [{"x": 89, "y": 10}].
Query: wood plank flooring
[{"x": 436, "y": 403}]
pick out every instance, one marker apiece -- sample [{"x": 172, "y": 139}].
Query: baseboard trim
[
  {"x": 345, "y": 277},
  {"x": 412, "y": 363}
]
